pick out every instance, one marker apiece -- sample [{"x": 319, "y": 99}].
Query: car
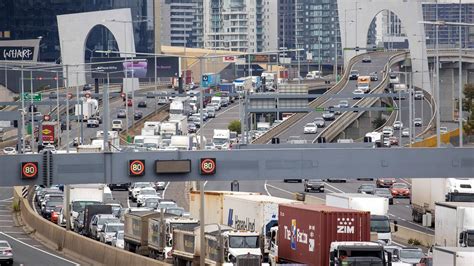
[
  {"x": 108, "y": 231},
  {"x": 141, "y": 104},
  {"x": 165, "y": 204},
  {"x": 137, "y": 115},
  {"x": 443, "y": 130},
  {"x": 310, "y": 128},
  {"x": 53, "y": 95},
  {"x": 135, "y": 188},
  {"x": 384, "y": 193},
  {"x": 419, "y": 95},
  {"x": 397, "y": 125},
  {"x": 64, "y": 127},
  {"x": 117, "y": 125},
  {"x": 354, "y": 75},
  {"x": 98, "y": 117},
  {"x": 393, "y": 141},
  {"x": 145, "y": 193},
  {"x": 314, "y": 185},
  {"x": 150, "y": 95},
  {"x": 192, "y": 128},
  {"x": 336, "y": 112},
  {"x": 374, "y": 76},
  {"x": 394, "y": 78},
  {"x": 151, "y": 203},
  {"x": 92, "y": 122},
  {"x": 366, "y": 59},
  {"x": 6, "y": 252},
  {"x": 400, "y": 190},
  {"x": 130, "y": 102},
  {"x": 50, "y": 207},
  {"x": 121, "y": 114},
  {"x": 87, "y": 87},
  {"x": 387, "y": 131},
  {"x": 339, "y": 180},
  {"x": 385, "y": 182},
  {"x": 329, "y": 116},
  {"x": 118, "y": 241},
  {"x": 406, "y": 132},
  {"x": 76, "y": 141},
  {"x": 292, "y": 180},
  {"x": 319, "y": 121},
  {"x": 9, "y": 150},
  {"x": 366, "y": 189},
  {"x": 357, "y": 94},
  {"x": 418, "y": 122},
  {"x": 97, "y": 223},
  {"x": 160, "y": 185},
  {"x": 178, "y": 211},
  {"x": 343, "y": 104},
  {"x": 411, "y": 255}
]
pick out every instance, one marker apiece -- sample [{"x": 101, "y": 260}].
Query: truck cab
[
  {"x": 117, "y": 125},
  {"x": 353, "y": 253},
  {"x": 466, "y": 238},
  {"x": 239, "y": 244},
  {"x": 380, "y": 224},
  {"x": 221, "y": 139}
]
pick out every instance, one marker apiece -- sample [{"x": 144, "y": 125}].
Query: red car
[
  {"x": 55, "y": 214},
  {"x": 393, "y": 141},
  {"x": 385, "y": 182},
  {"x": 129, "y": 102},
  {"x": 400, "y": 190}
]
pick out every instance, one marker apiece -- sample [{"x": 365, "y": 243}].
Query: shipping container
[
  {"x": 305, "y": 232},
  {"x": 214, "y": 205}
]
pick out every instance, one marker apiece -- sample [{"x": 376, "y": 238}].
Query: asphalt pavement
[{"x": 26, "y": 250}]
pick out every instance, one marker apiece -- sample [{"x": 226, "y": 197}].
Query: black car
[
  {"x": 137, "y": 115},
  {"x": 150, "y": 95},
  {"x": 49, "y": 207},
  {"x": 87, "y": 87},
  {"x": 142, "y": 104},
  {"x": 373, "y": 76},
  {"x": 366, "y": 189},
  {"x": 314, "y": 185},
  {"x": 192, "y": 128},
  {"x": 53, "y": 95},
  {"x": 119, "y": 186},
  {"x": 354, "y": 75}
]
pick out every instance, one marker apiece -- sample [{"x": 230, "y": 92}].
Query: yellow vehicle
[{"x": 363, "y": 83}]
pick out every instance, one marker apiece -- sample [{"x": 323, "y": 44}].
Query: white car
[
  {"x": 93, "y": 122},
  {"x": 418, "y": 122},
  {"x": 397, "y": 125},
  {"x": 310, "y": 128},
  {"x": 357, "y": 93},
  {"x": 117, "y": 125},
  {"x": 387, "y": 131},
  {"x": 343, "y": 104},
  {"x": 136, "y": 187},
  {"x": 419, "y": 95},
  {"x": 319, "y": 121},
  {"x": 329, "y": 116},
  {"x": 9, "y": 150},
  {"x": 405, "y": 132},
  {"x": 108, "y": 231},
  {"x": 145, "y": 193},
  {"x": 118, "y": 240}
]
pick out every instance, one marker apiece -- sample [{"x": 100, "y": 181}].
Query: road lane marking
[
  {"x": 283, "y": 190},
  {"x": 40, "y": 250},
  {"x": 7, "y": 200},
  {"x": 333, "y": 187},
  {"x": 266, "y": 189},
  {"x": 164, "y": 190}
]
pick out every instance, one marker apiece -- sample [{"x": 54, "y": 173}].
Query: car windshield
[
  {"x": 354, "y": 72},
  {"x": 4, "y": 245},
  {"x": 399, "y": 185},
  {"x": 116, "y": 122},
  {"x": 315, "y": 180},
  {"x": 147, "y": 192},
  {"x": 105, "y": 220},
  {"x": 175, "y": 211},
  {"x": 366, "y": 187},
  {"x": 243, "y": 242},
  {"x": 114, "y": 228},
  {"x": 53, "y": 203},
  {"x": 411, "y": 254},
  {"x": 380, "y": 225},
  {"x": 310, "y": 125},
  {"x": 142, "y": 185},
  {"x": 382, "y": 192},
  {"x": 167, "y": 205},
  {"x": 220, "y": 141},
  {"x": 78, "y": 206},
  {"x": 115, "y": 209}
]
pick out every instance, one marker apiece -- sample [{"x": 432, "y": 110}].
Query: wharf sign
[{"x": 17, "y": 53}]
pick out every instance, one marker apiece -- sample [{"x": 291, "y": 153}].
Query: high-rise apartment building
[{"x": 177, "y": 22}]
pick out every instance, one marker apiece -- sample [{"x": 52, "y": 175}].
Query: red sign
[
  {"x": 208, "y": 166},
  {"x": 29, "y": 170},
  {"x": 136, "y": 167},
  {"x": 48, "y": 133},
  {"x": 46, "y": 117},
  {"x": 229, "y": 59}
]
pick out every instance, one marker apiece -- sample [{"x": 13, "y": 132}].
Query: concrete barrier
[
  {"x": 406, "y": 233},
  {"x": 75, "y": 245}
]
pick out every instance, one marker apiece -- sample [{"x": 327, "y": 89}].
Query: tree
[
  {"x": 378, "y": 122},
  {"x": 234, "y": 126}
]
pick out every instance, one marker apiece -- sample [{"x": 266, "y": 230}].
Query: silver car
[
  {"x": 6, "y": 252},
  {"x": 109, "y": 230}
]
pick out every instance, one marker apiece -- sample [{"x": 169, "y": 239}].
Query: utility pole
[{"x": 460, "y": 117}]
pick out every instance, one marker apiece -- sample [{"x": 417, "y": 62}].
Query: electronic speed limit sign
[
  {"x": 208, "y": 166},
  {"x": 136, "y": 168},
  {"x": 29, "y": 170}
]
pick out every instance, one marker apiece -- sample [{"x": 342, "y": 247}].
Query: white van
[{"x": 117, "y": 125}]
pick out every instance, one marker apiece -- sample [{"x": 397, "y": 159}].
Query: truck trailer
[
  {"x": 454, "y": 224},
  {"x": 443, "y": 256}
]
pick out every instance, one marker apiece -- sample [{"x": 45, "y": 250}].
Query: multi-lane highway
[{"x": 26, "y": 250}]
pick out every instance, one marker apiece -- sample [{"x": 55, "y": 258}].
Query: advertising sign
[
  {"x": 118, "y": 67},
  {"x": 17, "y": 53},
  {"x": 48, "y": 133}
]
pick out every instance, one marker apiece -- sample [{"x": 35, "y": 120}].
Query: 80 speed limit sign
[
  {"x": 208, "y": 166},
  {"x": 29, "y": 170},
  {"x": 136, "y": 167}
]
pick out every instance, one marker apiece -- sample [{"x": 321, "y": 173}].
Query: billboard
[
  {"x": 262, "y": 58},
  {"x": 19, "y": 50},
  {"x": 118, "y": 67}
]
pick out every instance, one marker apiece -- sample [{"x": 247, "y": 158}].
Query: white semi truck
[
  {"x": 221, "y": 139},
  {"x": 180, "y": 106},
  {"x": 426, "y": 191},
  {"x": 443, "y": 256},
  {"x": 454, "y": 224},
  {"x": 377, "y": 206},
  {"x": 81, "y": 196},
  {"x": 90, "y": 108}
]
